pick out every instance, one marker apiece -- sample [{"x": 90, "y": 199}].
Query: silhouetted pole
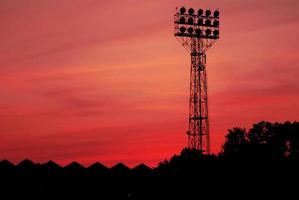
[{"x": 197, "y": 32}]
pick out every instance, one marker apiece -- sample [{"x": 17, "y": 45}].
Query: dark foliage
[{"x": 264, "y": 141}]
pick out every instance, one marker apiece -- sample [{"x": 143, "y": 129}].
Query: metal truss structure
[{"x": 197, "y": 32}]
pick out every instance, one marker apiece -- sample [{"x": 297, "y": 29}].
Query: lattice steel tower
[{"x": 197, "y": 32}]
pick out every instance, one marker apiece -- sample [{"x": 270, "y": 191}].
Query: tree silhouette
[
  {"x": 235, "y": 143},
  {"x": 292, "y": 139},
  {"x": 264, "y": 141}
]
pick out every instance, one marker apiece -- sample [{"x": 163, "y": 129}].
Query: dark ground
[{"x": 208, "y": 178}]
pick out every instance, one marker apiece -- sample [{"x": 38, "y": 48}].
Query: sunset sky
[{"x": 95, "y": 80}]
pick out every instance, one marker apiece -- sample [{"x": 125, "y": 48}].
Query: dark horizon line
[{"x": 29, "y": 162}]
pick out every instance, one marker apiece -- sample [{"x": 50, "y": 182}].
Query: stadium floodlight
[
  {"x": 191, "y": 11},
  {"x": 182, "y": 10},
  {"x": 183, "y": 29},
  {"x": 208, "y": 13},
  {"x": 200, "y": 21},
  {"x": 190, "y": 30},
  {"x": 208, "y": 22},
  {"x": 208, "y": 32},
  {"x": 197, "y": 32},
  {"x": 190, "y": 20},
  {"x": 182, "y": 20},
  {"x": 216, "y": 32},
  {"x": 216, "y": 13},
  {"x": 216, "y": 23},
  {"x": 200, "y": 12}
]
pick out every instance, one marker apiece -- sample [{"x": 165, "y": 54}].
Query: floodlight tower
[{"x": 197, "y": 32}]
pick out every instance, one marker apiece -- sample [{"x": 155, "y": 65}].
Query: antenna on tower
[{"x": 197, "y": 31}]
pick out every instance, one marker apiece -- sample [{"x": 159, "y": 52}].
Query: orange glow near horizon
[{"x": 107, "y": 81}]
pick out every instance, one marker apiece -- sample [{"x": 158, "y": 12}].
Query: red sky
[{"x": 93, "y": 80}]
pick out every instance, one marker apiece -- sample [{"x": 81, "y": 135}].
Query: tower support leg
[{"x": 198, "y": 133}]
